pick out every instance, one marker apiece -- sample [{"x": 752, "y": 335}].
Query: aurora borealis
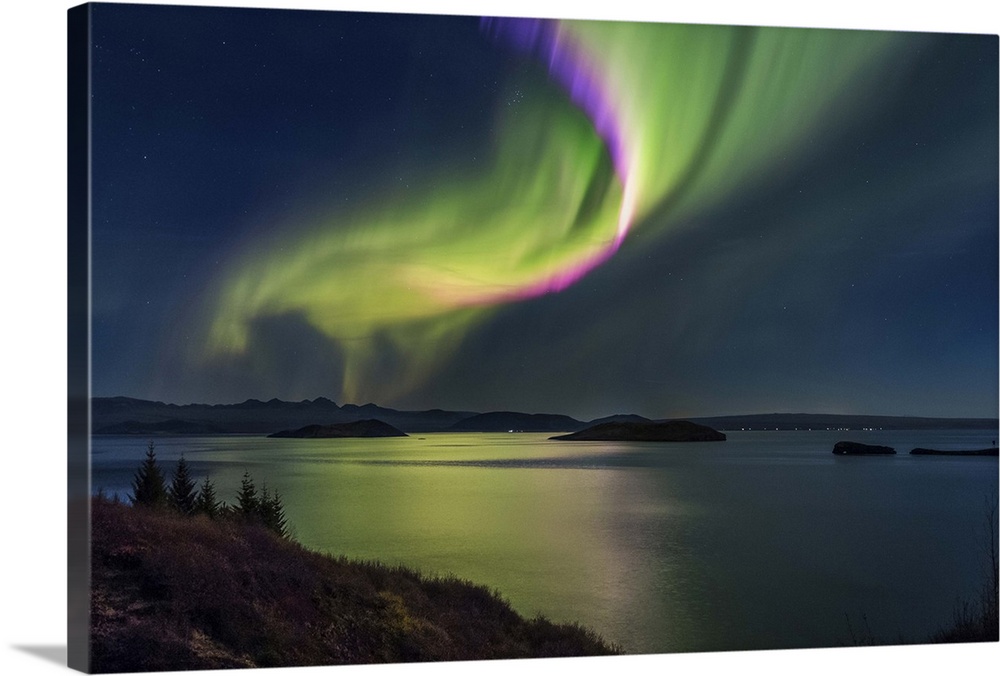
[{"x": 579, "y": 217}]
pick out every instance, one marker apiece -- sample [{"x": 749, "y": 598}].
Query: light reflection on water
[{"x": 766, "y": 540}]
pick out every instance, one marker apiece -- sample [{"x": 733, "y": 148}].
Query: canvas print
[{"x": 404, "y": 337}]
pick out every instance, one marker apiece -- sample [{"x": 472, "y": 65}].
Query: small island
[
  {"x": 358, "y": 428},
  {"x": 931, "y": 451},
  {"x": 857, "y": 448},
  {"x": 673, "y": 430}
]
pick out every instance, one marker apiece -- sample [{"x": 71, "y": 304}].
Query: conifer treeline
[{"x": 150, "y": 490}]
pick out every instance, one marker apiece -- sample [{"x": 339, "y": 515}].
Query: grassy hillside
[{"x": 173, "y": 593}]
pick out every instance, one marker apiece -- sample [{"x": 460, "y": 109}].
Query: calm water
[{"x": 766, "y": 540}]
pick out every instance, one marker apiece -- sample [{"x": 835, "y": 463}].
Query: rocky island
[
  {"x": 931, "y": 451},
  {"x": 672, "y": 430},
  {"x": 358, "y": 428},
  {"x": 857, "y": 448}
]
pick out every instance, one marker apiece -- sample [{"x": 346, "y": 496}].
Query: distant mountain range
[{"x": 124, "y": 415}]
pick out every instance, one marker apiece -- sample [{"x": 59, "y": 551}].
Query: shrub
[{"x": 977, "y": 620}]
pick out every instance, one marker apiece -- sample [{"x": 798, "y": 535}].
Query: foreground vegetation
[
  {"x": 974, "y": 619},
  {"x": 978, "y": 619},
  {"x": 151, "y": 491},
  {"x": 176, "y": 586}
]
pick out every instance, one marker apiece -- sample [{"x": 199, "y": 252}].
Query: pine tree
[
  {"x": 247, "y": 502},
  {"x": 206, "y": 502},
  {"x": 148, "y": 487},
  {"x": 263, "y": 503},
  {"x": 276, "y": 520},
  {"x": 271, "y": 512},
  {"x": 182, "y": 492}
]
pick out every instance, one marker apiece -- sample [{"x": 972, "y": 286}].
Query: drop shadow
[{"x": 57, "y": 654}]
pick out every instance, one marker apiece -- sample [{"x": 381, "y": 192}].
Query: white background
[{"x": 33, "y": 328}]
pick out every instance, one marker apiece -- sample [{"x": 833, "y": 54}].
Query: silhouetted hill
[
  {"x": 179, "y": 593},
  {"x": 263, "y": 417},
  {"x": 509, "y": 421},
  {"x": 673, "y": 430},
  {"x": 360, "y": 428},
  {"x": 260, "y": 417},
  {"x": 620, "y": 417}
]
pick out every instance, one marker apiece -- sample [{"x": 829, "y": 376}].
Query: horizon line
[{"x": 476, "y": 412}]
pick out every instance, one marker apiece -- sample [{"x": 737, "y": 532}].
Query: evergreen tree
[
  {"x": 148, "y": 487},
  {"x": 206, "y": 502},
  {"x": 263, "y": 503},
  {"x": 182, "y": 492},
  {"x": 275, "y": 519},
  {"x": 247, "y": 501},
  {"x": 271, "y": 512}
]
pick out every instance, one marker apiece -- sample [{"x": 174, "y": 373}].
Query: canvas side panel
[{"x": 78, "y": 336}]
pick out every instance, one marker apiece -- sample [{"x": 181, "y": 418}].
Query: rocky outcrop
[
  {"x": 856, "y": 448},
  {"x": 931, "y": 451}
]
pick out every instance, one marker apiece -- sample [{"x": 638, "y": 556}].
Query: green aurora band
[{"x": 699, "y": 111}]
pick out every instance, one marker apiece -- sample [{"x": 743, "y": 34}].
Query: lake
[{"x": 766, "y": 540}]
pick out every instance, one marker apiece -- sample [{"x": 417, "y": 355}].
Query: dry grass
[
  {"x": 978, "y": 619},
  {"x": 173, "y": 593}
]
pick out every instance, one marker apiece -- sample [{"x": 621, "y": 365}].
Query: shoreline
[{"x": 249, "y": 598}]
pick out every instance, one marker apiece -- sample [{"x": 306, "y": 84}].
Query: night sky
[{"x": 584, "y": 218}]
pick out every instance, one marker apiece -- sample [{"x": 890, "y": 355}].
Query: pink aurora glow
[{"x": 570, "y": 67}]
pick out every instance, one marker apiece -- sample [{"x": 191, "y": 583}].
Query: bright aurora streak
[{"x": 636, "y": 120}]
